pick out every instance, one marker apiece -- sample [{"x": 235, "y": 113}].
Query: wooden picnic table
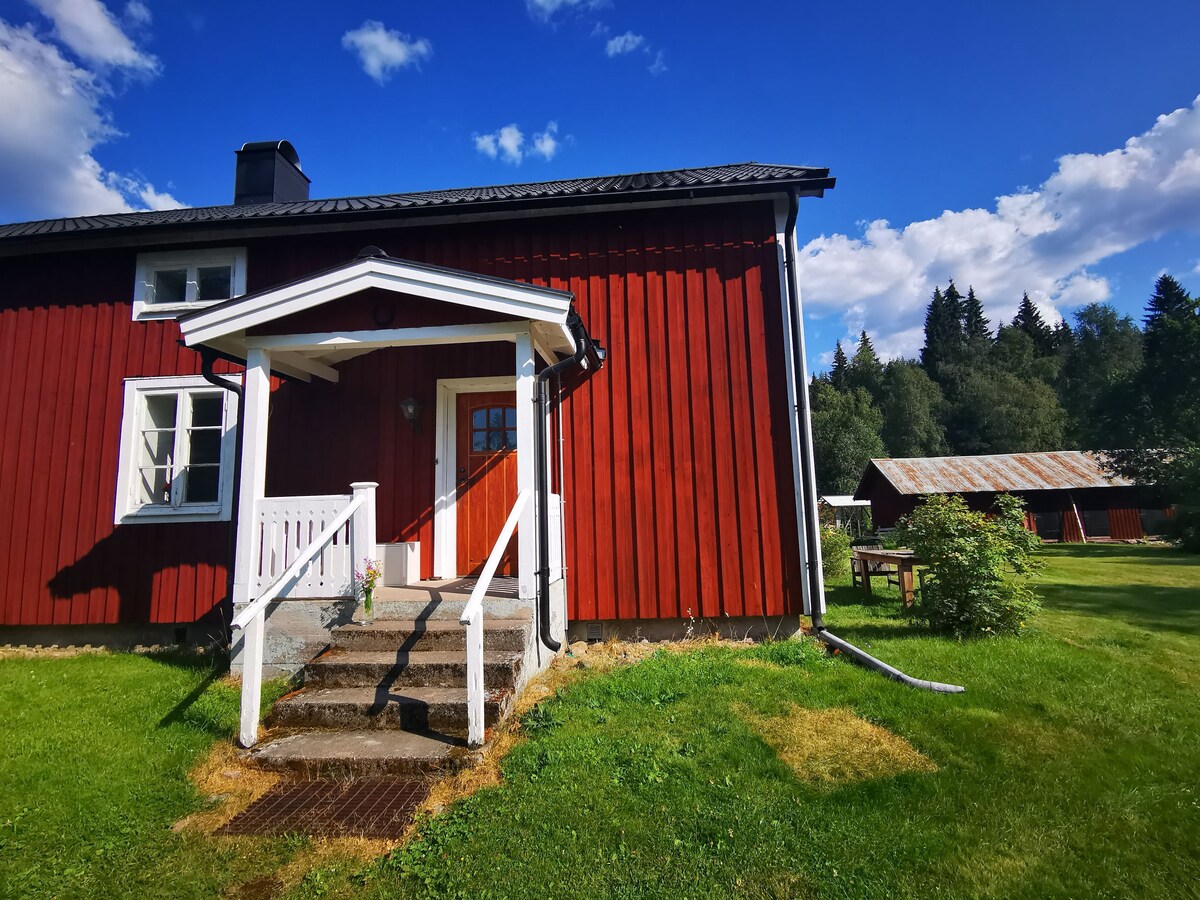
[{"x": 904, "y": 561}]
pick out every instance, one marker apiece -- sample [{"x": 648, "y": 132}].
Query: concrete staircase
[{"x": 390, "y": 698}]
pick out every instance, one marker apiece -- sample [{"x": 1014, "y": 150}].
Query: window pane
[
  {"x": 206, "y": 410},
  {"x": 510, "y": 417},
  {"x": 495, "y": 440},
  {"x": 157, "y": 448},
  {"x": 511, "y": 440},
  {"x": 214, "y": 282},
  {"x": 496, "y": 417},
  {"x": 201, "y": 485},
  {"x": 154, "y": 487},
  {"x": 160, "y": 410},
  {"x": 170, "y": 286},
  {"x": 478, "y": 440},
  {"x": 479, "y": 418},
  {"x": 205, "y": 447}
]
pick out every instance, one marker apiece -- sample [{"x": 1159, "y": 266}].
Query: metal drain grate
[{"x": 368, "y": 807}]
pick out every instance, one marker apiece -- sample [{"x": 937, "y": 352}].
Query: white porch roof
[{"x": 223, "y": 326}]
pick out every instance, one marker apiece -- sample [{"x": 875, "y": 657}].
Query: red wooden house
[{"x": 621, "y": 352}]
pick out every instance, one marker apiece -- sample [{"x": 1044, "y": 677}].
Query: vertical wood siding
[
  {"x": 67, "y": 343},
  {"x": 677, "y": 462},
  {"x": 1125, "y": 524}
]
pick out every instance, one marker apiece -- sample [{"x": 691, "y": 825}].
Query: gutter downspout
[
  {"x": 808, "y": 480},
  {"x": 584, "y": 348},
  {"x": 208, "y": 356}
]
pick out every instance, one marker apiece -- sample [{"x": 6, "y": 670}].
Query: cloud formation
[
  {"x": 55, "y": 117},
  {"x": 508, "y": 143},
  {"x": 544, "y": 10},
  {"x": 91, "y": 32},
  {"x": 382, "y": 50},
  {"x": 623, "y": 43},
  {"x": 1093, "y": 206}
]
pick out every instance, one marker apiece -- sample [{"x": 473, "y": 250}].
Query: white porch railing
[
  {"x": 286, "y": 528},
  {"x": 472, "y": 617},
  {"x": 296, "y": 552}
]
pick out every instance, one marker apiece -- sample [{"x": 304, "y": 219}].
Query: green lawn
[
  {"x": 1069, "y": 768},
  {"x": 95, "y": 751}
]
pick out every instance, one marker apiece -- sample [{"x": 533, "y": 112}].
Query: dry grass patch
[
  {"x": 225, "y": 779},
  {"x": 834, "y": 745}
]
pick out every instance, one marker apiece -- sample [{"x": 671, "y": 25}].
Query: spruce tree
[
  {"x": 838, "y": 371},
  {"x": 1030, "y": 321},
  {"x": 865, "y": 370},
  {"x": 943, "y": 334},
  {"x": 976, "y": 327}
]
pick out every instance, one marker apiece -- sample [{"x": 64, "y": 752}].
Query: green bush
[
  {"x": 835, "y": 551},
  {"x": 979, "y": 565}
]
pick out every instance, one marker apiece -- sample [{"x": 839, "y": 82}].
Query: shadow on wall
[{"x": 162, "y": 573}]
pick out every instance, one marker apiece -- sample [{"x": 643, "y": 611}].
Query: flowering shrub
[{"x": 979, "y": 565}]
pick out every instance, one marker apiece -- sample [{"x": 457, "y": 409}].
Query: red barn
[{"x": 616, "y": 358}]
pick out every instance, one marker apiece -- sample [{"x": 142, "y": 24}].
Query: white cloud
[
  {"x": 623, "y": 43},
  {"x": 545, "y": 144},
  {"x": 508, "y": 143},
  {"x": 54, "y": 119},
  {"x": 88, "y": 29},
  {"x": 382, "y": 50},
  {"x": 138, "y": 13},
  {"x": 659, "y": 65},
  {"x": 544, "y": 10},
  {"x": 1042, "y": 241}
]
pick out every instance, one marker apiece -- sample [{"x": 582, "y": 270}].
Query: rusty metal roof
[
  {"x": 738, "y": 178},
  {"x": 1057, "y": 471}
]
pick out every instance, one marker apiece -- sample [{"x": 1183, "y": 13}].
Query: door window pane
[
  {"x": 494, "y": 429},
  {"x": 479, "y": 441}
]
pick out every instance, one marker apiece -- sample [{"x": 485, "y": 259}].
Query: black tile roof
[{"x": 739, "y": 178}]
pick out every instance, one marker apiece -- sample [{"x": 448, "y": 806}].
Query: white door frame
[{"x": 445, "y": 492}]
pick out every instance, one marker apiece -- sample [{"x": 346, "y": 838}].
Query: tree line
[{"x": 1104, "y": 383}]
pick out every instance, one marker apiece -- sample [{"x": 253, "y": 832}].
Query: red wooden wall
[
  {"x": 66, "y": 344},
  {"x": 678, "y": 473}
]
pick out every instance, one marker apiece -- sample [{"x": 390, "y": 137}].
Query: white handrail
[
  {"x": 472, "y": 617},
  {"x": 253, "y": 609}
]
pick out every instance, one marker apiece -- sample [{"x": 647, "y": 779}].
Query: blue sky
[{"x": 926, "y": 113}]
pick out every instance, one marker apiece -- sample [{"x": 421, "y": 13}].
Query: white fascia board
[
  {"x": 526, "y": 302},
  {"x": 377, "y": 338}
]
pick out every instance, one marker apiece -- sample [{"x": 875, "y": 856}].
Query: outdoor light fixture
[{"x": 411, "y": 410}]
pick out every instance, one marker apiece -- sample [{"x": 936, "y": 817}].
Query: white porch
[{"x": 309, "y": 546}]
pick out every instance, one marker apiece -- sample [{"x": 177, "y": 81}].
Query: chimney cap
[{"x": 284, "y": 148}]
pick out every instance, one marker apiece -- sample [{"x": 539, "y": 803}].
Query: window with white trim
[
  {"x": 176, "y": 281},
  {"x": 177, "y": 446}
]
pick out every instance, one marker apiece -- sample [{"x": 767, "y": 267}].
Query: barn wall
[
  {"x": 678, "y": 477},
  {"x": 67, "y": 342}
]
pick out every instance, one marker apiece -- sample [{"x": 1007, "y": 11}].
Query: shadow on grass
[
  {"x": 1168, "y": 608},
  {"x": 1151, "y": 554},
  {"x": 210, "y": 706}
]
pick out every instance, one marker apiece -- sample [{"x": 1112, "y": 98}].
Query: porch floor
[
  {"x": 436, "y": 599},
  {"x": 448, "y": 589}
]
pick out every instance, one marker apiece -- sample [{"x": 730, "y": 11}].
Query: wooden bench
[{"x": 895, "y": 565}]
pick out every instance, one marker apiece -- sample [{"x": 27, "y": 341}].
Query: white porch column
[
  {"x": 255, "y": 406},
  {"x": 362, "y": 527},
  {"x": 526, "y": 530}
]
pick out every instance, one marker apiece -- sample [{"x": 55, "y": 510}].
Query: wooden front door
[{"x": 486, "y": 475}]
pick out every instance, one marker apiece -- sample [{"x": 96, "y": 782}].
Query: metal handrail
[
  {"x": 472, "y": 617},
  {"x": 256, "y": 607}
]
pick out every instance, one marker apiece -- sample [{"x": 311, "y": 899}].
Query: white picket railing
[
  {"x": 286, "y": 528},
  {"x": 472, "y": 617},
  {"x": 354, "y": 521}
]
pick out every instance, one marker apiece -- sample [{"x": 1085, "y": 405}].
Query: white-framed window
[
  {"x": 176, "y": 281},
  {"x": 177, "y": 447}
]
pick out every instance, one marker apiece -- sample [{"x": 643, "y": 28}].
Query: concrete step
[
  {"x": 435, "y": 634},
  {"x": 364, "y": 754},
  {"x": 398, "y": 603},
  {"x": 418, "y": 668},
  {"x": 439, "y": 709}
]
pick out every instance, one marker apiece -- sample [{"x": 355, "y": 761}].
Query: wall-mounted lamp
[{"x": 410, "y": 408}]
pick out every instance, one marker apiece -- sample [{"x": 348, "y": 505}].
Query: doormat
[{"x": 366, "y": 807}]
